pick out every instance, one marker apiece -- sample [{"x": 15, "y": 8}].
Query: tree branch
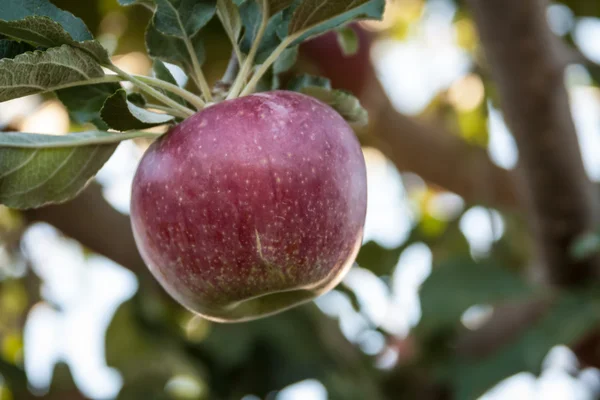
[
  {"x": 438, "y": 156},
  {"x": 528, "y": 67}
]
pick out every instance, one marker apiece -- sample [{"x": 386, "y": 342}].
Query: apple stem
[
  {"x": 150, "y": 91},
  {"x": 247, "y": 66}
]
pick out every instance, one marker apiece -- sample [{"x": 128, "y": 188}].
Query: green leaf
[
  {"x": 251, "y": 14},
  {"x": 348, "y": 40},
  {"x": 183, "y": 18},
  {"x": 313, "y": 17},
  {"x": 123, "y": 115},
  {"x": 229, "y": 14},
  {"x": 163, "y": 73},
  {"x": 303, "y": 81},
  {"x": 284, "y": 63},
  {"x": 41, "y": 23},
  {"x": 276, "y": 6},
  {"x": 43, "y": 71},
  {"x": 14, "y": 10},
  {"x": 41, "y": 169},
  {"x": 286, "y": 60},
  {"x": 89, "y": 110},
  {"x": 344, "y": 103},
  {"x": 569, "y": 319},
  {"x": 171, "y": 49},
  {"x": 460, "y": 283},
  {"x": 11, "y": 49}
]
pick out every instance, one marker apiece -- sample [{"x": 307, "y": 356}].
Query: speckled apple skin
[{"x": 251, "y": 206}]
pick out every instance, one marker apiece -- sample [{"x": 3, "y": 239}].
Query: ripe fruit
[{"x": 251, "y": 206}]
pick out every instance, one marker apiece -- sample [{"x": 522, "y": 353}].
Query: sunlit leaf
[
  {"x": 40, "y": 169},
  {"x": 43, "y": 71}
]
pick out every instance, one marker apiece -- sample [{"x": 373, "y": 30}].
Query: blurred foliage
[{"x": 164, "y": 352}]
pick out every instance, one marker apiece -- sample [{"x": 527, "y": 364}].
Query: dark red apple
[
  {"x": 346, "y": 72},
  {"x": 252, "y": 205}
]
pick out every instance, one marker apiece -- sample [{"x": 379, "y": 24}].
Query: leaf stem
[
  {"x": 247, "y": 65},
  {"x": 192, "y": 98},
  {"x": 166, "y": 109},
  {"x": 231, "y": 36},
  {"x": 149, "y": 90},
  {"x": 264, "y": 67},
  {"x": 199, "y": 75}
]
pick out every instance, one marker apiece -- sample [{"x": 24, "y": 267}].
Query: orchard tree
[{"x": 250, "y": 199}]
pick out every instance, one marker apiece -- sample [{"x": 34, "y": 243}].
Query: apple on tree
[{"x": 254, "y": 200}]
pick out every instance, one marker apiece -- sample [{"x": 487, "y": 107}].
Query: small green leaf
[
  {"x": 11, "y": 49},
  {"x": 43, "y": 71},
  {"x": 303, "y": 81},
  {"x": 163, "y": 73},
  {"x": 183, "y": 18},
  {"x": 313, "y": 17},
  {"x": 123, "y": 115},
  {"x": 171, "y": 49},
  {"x": 348, "y": 40},
  {"x": 344, "y": 103},
  {"x": 36, "y": 170},
  {"x": 89, "y": 110}
]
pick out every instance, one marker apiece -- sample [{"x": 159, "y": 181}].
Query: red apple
[
  {"x": 251, "y": 206},
  {"x": 347, "y": 72}
]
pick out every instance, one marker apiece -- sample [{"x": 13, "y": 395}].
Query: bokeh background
[{"x": 75, "y": 324}]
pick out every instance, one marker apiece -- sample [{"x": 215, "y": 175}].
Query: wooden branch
[
  {"x": 437, "y": 155},
  {"x": 528, "y": 67}
]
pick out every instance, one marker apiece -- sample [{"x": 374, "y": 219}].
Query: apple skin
[
  {"x": 251, "y": 206},
  {"x": 346, "y": 72}
]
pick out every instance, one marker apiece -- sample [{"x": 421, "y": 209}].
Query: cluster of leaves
[{"x": 45, "y": 49}]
